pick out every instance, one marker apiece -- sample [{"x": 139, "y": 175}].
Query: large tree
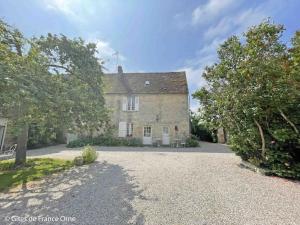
[
  {"x": 49, "y": 80},
  {"x": 253, "y": 92}
]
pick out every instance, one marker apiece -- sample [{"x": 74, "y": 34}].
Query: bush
[
  {"x": 191, "y": 143},
  {"x": 103, "y": 140},
  {"x": 134, "y": 142},
  {"x": 89, "y": 155},
  {"x": 79, "y": 143},
  {"x": 200, "y": 131},
  {"x": 78, "y": 161}
]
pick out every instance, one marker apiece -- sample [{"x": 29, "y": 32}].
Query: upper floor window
[{"x": 131, "y": 103}]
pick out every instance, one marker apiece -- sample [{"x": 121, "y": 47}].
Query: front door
[
  {"x": 147, "y": 138},
  {"x": 165, "y": 136}
]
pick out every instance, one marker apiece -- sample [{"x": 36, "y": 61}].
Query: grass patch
[{"x": 34, "y": 169}]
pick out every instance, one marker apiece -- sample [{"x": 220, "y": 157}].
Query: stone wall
[{"x": 156, "y": 110}]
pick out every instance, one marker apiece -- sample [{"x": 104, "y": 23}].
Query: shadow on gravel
[{"x": 101, "y": 193}]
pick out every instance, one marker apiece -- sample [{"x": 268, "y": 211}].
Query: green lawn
[{"x": 34, "y": 169}]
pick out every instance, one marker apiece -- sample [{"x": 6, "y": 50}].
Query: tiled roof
[{"x": 159, "y": 83}]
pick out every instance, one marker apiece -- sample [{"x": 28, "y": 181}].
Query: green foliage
[
  {"x": 199, "y": 129},
  {"x": 89, "y": 155},
  {"x": 80, "y": 143},
  {"x": 40, "y": 136},
  {"x": 78, "y": 161},
  {"x": 53, "y": 82},
  {"x": 191, "y": 143},
  {"x": 253, "y": 92},
  {"x": 34, "y": 169},
  {"x": 104, "y": 140}
]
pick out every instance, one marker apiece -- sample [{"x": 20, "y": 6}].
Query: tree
[
  {"x": 50, "y": 80},
  {"x": 199, "y": 129},
  {"x": 253, "y": 93}
]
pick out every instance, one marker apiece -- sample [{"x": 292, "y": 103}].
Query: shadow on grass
[
  {"x": 100, "y": 193},
  {"x": 34, "y": 169}
]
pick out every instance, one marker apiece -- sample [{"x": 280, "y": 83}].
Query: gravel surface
[{"x": 155, "y": 186}]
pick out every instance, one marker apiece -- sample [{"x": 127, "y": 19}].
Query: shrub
[
  {"x": 78, "y": 161},
  {"x": 79, "y": 143},
  {"x": 199, "y": 130},
  {"x": 103, "y": 140},
  {"x": 134, "y": 142},
  {"x": 89, "y": 155},
  {"x": 191, "y": 143}
]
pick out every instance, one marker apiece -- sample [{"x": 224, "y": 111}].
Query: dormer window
[{"x": 147, "y": 83}]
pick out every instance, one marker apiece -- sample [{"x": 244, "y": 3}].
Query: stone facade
[
  {"x": 161, "y": 110},
  {"x": 155, "y": 110}
]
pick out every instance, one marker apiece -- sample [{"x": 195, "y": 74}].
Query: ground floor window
[
  {"x": 129, "y": 130},
  {"x": 147, "y": 131},
  {"x": 125, "y": 129}
]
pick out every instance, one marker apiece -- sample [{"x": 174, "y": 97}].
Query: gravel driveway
[{"x": 155, "y": 186}]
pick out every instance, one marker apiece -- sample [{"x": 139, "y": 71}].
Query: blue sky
[{"x": 152, "y": 35}]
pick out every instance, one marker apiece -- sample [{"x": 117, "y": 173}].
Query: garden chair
[
  {"x": 182, "y": 143},
  {"x": 9, "y": 153}
]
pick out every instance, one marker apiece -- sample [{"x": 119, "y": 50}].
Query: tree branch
[
  {"x": 262, "y": 137},
  {"x": 59, "y": 66},
  {"x": 287, "y": 120}
]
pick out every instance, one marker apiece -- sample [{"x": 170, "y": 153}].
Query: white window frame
[
  {"x": 129, "y": 129},
  {"x": 146, "y": 131},
  {"x": 130, "y": 103}
]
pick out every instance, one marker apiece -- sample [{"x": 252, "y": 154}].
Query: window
[
  {"x": 129, "y": 129},
  {"x": 125, "y": 129},
  {"x": 166, "y": 130},
  {"x": 147, "y": 131},
  {"x": 131, "y": 103}
]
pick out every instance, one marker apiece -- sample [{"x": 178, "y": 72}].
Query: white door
[
  {"x": 147, "y": 137},
  {"x": 165, "y": 136}
]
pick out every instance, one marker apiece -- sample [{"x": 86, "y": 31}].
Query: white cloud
[
  {"x": 82, "y": 13},
  {"x": 235, "y": 24},
  {"x": 77, "y": 11},
  {"x": 212, "y": 10},
  {"x": 194, "y": 69},
  {"x": 219, "y": 20},
  {"x": 70, "y": 8},
  {"x": 107, "y": 54}
]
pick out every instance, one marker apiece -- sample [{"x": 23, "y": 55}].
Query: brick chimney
[{"x": 120, "y": 70}]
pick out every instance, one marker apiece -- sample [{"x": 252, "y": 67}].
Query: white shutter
[
  {"x": 122, "y": 129},
  {"x": 124, "y": 104},
  {"x": 136, "y": 103}
]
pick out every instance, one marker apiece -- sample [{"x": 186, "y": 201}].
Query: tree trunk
[
  {"x": 22, "y": 146},
  {"x": 60, "y": 135},
  {"x": 287, "y": 120},
  {"x": 262, "y": 137}
]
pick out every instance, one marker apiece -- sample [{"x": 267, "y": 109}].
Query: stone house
[
  {"x": 153, "y": 107},
  {"x": 3, "y": 128}
]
